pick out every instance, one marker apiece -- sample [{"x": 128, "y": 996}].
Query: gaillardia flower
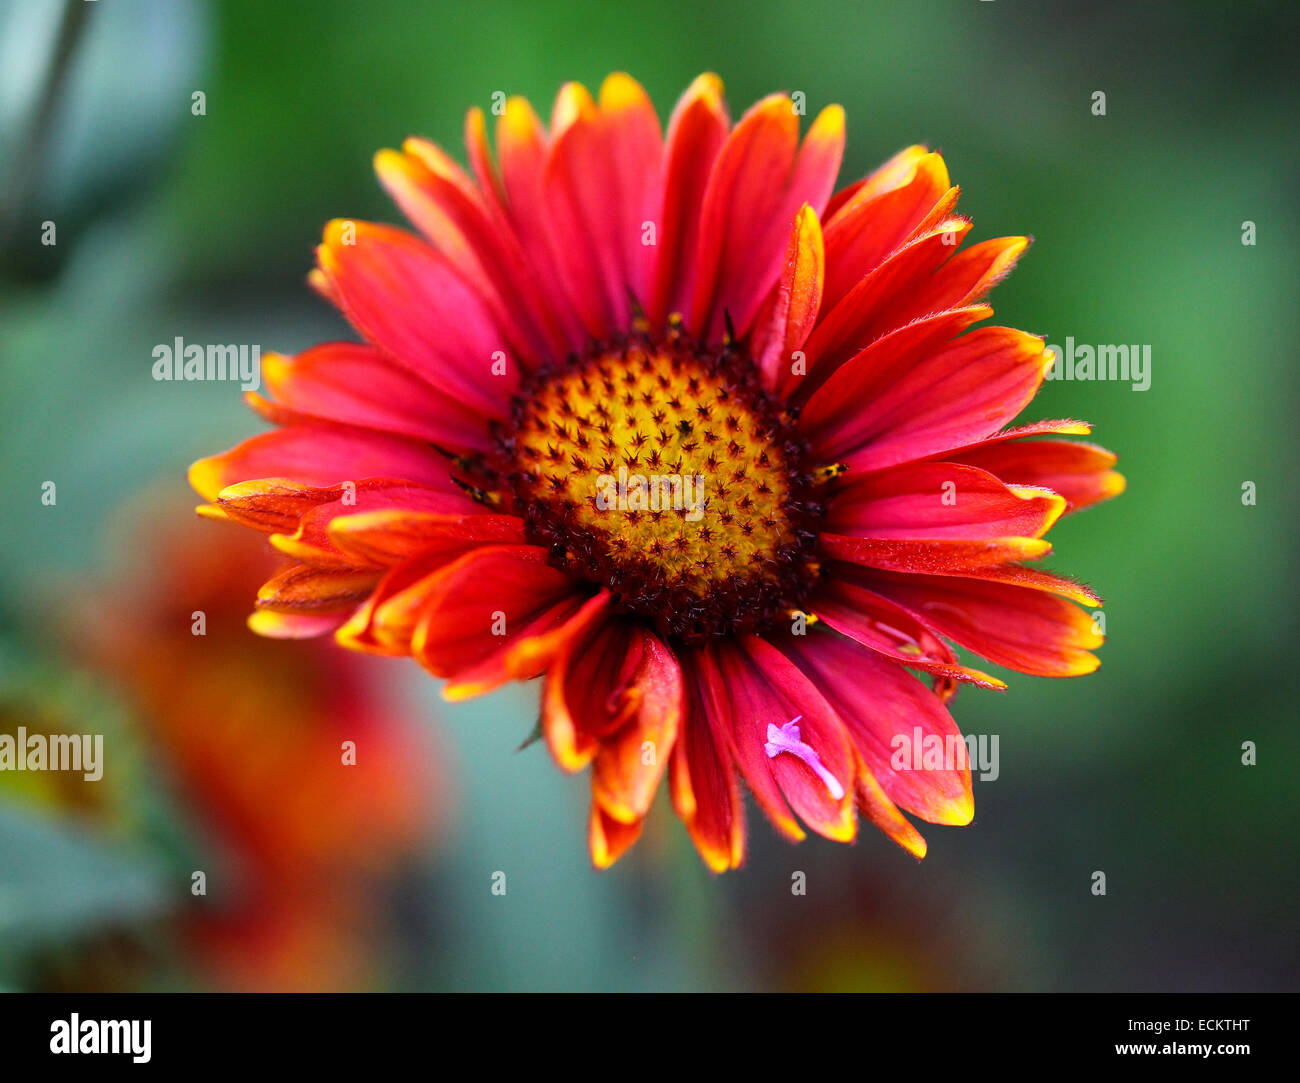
[{"x": 714, "y": 451}]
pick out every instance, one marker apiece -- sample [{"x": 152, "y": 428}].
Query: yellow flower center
[{"x": 663, "y": 472}]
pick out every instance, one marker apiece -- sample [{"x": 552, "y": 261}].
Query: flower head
[{"x": 665, "y": 420}]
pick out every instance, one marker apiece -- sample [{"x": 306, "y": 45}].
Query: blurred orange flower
[{"x": 298, "y": 766}]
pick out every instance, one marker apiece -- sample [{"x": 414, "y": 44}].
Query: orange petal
[
  {"x": 882, "y": 812},
  {"x": 484, "y": 604},
  {"x": 304, "y": 589},
  {"x": 589, "y": 693},
  {"x": 872, "y": 223},
  {"x": 703, "y": 784},
  {"x": 607, "y": 838},
  {"x": 631, "y": 762},
  {"x": 389, "y": 536},
  {"x": 273, "y": 625},
  {"x": 895, "y": 173},
  {"x": 385, "y": 623},
  {"x": 313, "y": 541},
  {"x": 966, "y": 278},
  {"x": 796, "y": 302}
]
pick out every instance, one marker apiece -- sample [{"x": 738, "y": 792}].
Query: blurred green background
[{"x": 202, "y": 226}]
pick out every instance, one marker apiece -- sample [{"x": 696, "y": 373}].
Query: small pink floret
[{"x": 787, "y": 739}]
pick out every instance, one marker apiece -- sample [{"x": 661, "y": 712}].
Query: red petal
[
  {"x": 636, "y": 151},
  {"x": 322, "y": 455},
  {"x": 411, "y": 302},
  {"x": 859, "y": 376},
  {"x": 966, "y": 278},
  {"x": 937, "y": 557},
  {"x": 696, "y": 133},
  {"x": 480, "y": 160},
  {"x": 993, "y": 560},
  {"x": 871, "y": 224},
  {"x": 607, "y": 694},
  {"x": 871, "y": 308},
  {"x": 397, "y": 534},
  {"x": 962, "y": 393},
  {"x": 764, "y": 687},
  {"x": 602, "y": 181},
  {"x": 702, "y": 781},
  {"x": 1014, "y": 626},
  {"x": 940, "y": 500},
  {"x": 890, "y": 630},
  {"x": 509, "y": 588},
  {"x": 356, "y": 385},
  {"x": 880, "y": 703},
  {"x": 447, "y": 207},
  {"x": 1080, "y": 472},
  {"x": 1035, "y": 578},
  {"x": 522, "y": 148},
  {"x": 760, "y": 179},
  {"x": 898, "y": 171}
]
